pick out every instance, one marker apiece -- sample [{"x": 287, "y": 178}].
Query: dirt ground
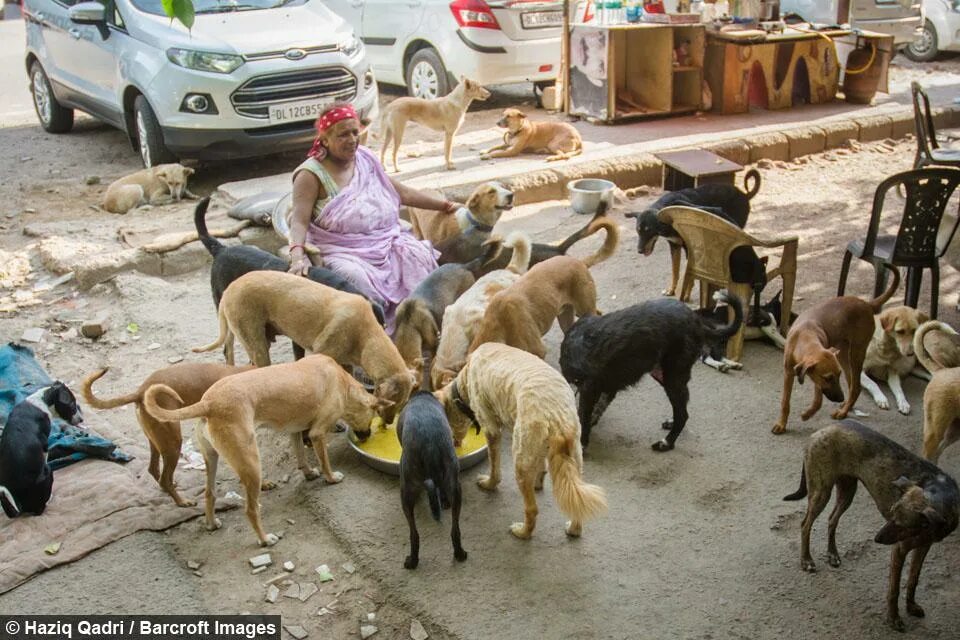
[{"x": 697, "y": 543}]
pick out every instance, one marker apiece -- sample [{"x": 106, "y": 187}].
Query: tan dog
[
  {"x": 158, "y": 185},
  {"x": 461, "y": 319},
  {"x": 890, "y": 355},
  {"x": 525, "y": 136},
  {"x": 308, "y": 395},
  {"x": 938, "y": 349},
  {"x": 505, "y": 388},
  {"x": 483, "y": 209},
  {"x": 825, "y": 341},
  {"x": 521, "y": 315},
  {"x": 937, "y": 346},
  {"x": 443, "y": 114},
  {"x": 318, "y": 318},
  {"x": 190, "y": 380}
]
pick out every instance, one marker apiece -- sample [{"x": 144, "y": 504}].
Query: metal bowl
[
  {"x": 392, "y": 467},
  {"x": 587, "y": 194}
]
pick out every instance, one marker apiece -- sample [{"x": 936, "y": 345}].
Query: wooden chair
[
  {"x": 915, "y": 246},
  {"x": 709, "y": 241},
  {"x": 929, "y": 152}
]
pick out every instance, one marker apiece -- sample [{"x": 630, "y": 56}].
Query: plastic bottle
[
  {"x": 615, "y": 12},
  {"x": 600, "y": 8},
  {"x": 722, "y": 8},
  {"x": 633, "y": 11}
]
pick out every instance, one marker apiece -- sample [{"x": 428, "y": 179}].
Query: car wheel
[
  {"x": 149, "y": 135},
  {"x": 426, "y": 75},
  {"x": 54, "y": 117},
  {"x": 924, "y": 48}
]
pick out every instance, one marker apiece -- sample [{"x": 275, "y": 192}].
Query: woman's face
[{"x": 343, "y": 139}]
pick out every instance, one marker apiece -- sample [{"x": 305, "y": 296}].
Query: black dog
[
  {"x": 26, "y": 480},
  {"x": 603, "y": 355},
  {"x": 229, "y": 263},
  {"x": 429, "y": 462}
]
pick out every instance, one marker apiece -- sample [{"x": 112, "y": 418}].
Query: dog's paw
[
  {"x": 268, "y": 485},
  {"x": 778, "y": 428},
  {"x": 881, "y": 402},
  {"x": 269, "y": 540},
  {"x": 334, "y": 478},
  {"x": 915, "y": 610},
  {"x": 213, "y": 526},
  {"x": 668, "y": 292},
  {"x": 486, "y": 156},
  {"x": 310, "y": 473},
  {"x": 661, "y": 446},
  {"x": 833, "y": 560},
  {"x": 809, "y": 566},
  {"x": 460, "y": 555},
  {"x": 411, "y": 562},
  {"x": 904, "y": 408},
  {"x": 573, "y": 529},
  {"x": 839, "y": 414},
  {"x": 896, "y": 623},
  {"x": 519, "y": 530},
  {"x": 451, "y": 167},
  {"x": 486, "y": 483},
  {"x": 183, "y": 502}
]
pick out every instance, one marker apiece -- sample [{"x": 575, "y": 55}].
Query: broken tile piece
[
  {"x": 193, "y": 565},
  {"x": 33, "y": 334},
  {"x": 293, "y": 591},
  {"x": 324, "y": 572},
  {"x": 175, "y": 359},
  {"x": 417, "y": 632},
  {"x": 307, "y": 589},
  {"x": 367, "y": 630},
  {"x": 348, "y": 567},
  {"x": 371, "y": 617},
  {"x": 288, "y": 566},
  {"x": 272, "y": 594},
  {"x": 258, "y": 570},
  {"x": 262, "y": 560},
  {"x": 295, "y": 630}
]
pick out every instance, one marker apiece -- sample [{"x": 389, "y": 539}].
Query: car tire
[
  {"x": 54, "y": 117},
  {"x": 925, "y": 48},
  {"x": 426, "y": 75},
  {"x": 149, "y": 136}
]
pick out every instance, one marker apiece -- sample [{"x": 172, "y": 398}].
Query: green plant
[{"x": 181, "y": 10}]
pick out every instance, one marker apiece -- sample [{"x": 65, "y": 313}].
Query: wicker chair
[{"x": 710, "y": 241}]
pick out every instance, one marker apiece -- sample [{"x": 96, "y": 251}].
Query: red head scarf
[{"x": 326, "y": 120}]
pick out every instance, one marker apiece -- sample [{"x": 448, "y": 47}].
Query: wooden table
[{"x": 691, "y": 168}]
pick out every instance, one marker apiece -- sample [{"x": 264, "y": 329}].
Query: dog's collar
[
  {"x": 477, "y": 224},
  {"x": 463, "y": 406}
]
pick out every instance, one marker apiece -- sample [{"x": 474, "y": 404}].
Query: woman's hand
[
  {"x": 299, "y": 265},
  {"x": 450, "y": 207}
]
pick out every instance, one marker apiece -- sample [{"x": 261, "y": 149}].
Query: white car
[
  {"x": 426, "y": 45},
  {"x": 940, "y": 31},
  {"x": 248, "y": 79}
]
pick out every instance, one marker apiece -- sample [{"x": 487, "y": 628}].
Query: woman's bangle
[{"x": 294, "y": 245}]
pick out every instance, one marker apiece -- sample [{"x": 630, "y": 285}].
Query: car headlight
[
  {"x": 205, "y": 60},
  {"x": 352, "y": 46}
]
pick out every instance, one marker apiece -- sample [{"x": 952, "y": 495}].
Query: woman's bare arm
[
  {"x": 306, "y": 190},
  {"x": 414, "y": 198}
]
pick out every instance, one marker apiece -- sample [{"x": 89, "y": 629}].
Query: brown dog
[
  {"x": 162, "y": 184},
  {"x": 483, "y": 209},
  {"x": 523, "y": 135},
  {"x": 938, "y": 350},
  {"x": 443, "y": 114},
  {"x": 825, "y": 341},
  {"x": 318, "y": 318},
  {"x": 308, "y": 395},
  {"x": 520, "y": 315},
  {"x": 190, "y": 380}
]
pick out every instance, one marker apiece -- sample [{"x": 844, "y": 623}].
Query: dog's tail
[
  {"x": 433, "y": 497},
  {"x": 520, "y": 243},
  {"x": 8, "y": 502},
  {"x": 800, "y": 493},
  {"x": 923, "y": 356},
  {"x": 213, "y": 245},
  {"x": 751, "y": 191},
  {"x": 224, "y": 333},
  {"x": 728, "y": 330},
  {"x": 104, "y": 403},
  {"x": 575, "y": 498},
  {"x": 599, "y": 221},
  {"x": 877, "y": 303},
  {"x": 170, "y": 415}
]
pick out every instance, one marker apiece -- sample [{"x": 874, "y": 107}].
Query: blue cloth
[{"x": 20, "y": 376}]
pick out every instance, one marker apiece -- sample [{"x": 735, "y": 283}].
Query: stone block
[
  {"x": 875, "y": 128},
  {"x": 805, "y": 141},
  {"x": 772, "y": 146}
]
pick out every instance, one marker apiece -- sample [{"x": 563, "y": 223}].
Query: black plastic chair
[
  {"x": 928, "y": 192},
  {"x": 929, "y": 152}
]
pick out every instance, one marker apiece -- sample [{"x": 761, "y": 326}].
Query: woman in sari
[{"x": 346, "y": 206}]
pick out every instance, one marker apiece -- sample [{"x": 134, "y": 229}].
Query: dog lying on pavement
[
  {"x": 828, "y": 340},
  {"x": 603, "y": 355},
  {"x": 190, "y": 380},
  {"x": 162, "y": 184},
  {"x": 919, "y": 501},
  {"x": 310, "y": 395},
  {"x": 481, "y": 212},
  {"x": 26, "y": 480},
  {"x": 890, "y": 355},
  {"x": 428, "y": 461},
  {"x": 505, "y": 388},
  {"x": 560, "y": 139}
]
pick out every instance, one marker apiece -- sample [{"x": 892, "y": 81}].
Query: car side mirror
[{"x": 90, "y": 13}]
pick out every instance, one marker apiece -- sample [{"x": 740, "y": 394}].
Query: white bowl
[{"x": 586, "y": 194}]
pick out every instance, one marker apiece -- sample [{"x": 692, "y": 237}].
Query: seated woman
[{"x": 346, "y": 206}]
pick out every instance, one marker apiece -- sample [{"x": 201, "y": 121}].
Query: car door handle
[
  {"x": 75, "y": 33},
  {"x": 356, "y": 4}
]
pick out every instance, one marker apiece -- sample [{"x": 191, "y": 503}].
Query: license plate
[
  {"x": 293, "y": 111},
  {"x": 541, "y": 19}
]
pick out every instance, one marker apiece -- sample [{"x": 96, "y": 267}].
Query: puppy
[
  {"x": 723, "y": 200},
  {"x": 937, "y": 346},
  {"x": 460, "y": 319},
  {"x": 560, "y": 139},
  {"x": 428, "y": 461},
  {"x": 309, "y": 395},
  {"x": 190, "y": 380},
  {"x": 919, "y": 501},
  {"x": 443, "y": 114},
  {"x": 229, "y": 263},
  {"x": 319, "y": 318},
  {"x": 162, "y": 184},
  {"x": 26, "y": 480},
  {"x": 483, "y": 209},
  {"x": 827, "y": 340},
  {"x": 890, "y": 354},
  {"x": 521, "y": 315},
  {"x": 505, "y": 388},
  {"x": 603, "y": 355}
]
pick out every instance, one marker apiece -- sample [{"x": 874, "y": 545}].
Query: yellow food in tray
[{"x": 384, "y": 444}]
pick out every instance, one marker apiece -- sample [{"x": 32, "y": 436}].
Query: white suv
[
  {"x": 249, "y": 78},
  {"x": 425, "y": 45}
]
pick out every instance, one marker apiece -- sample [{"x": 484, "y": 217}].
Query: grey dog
[{"x": 920, "y": 502}]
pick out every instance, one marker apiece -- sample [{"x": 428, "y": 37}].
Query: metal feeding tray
[
  {"x": 382, "y": 449},
  {"x": 587, "y": 194}
]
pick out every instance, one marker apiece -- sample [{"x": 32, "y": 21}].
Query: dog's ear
[
  {"x": 800, "y": 371},
  {"x": 834, "y": 351},
  {"x": 473, "y": 200},
  {"x": 188, "y": 171},
  {"x": 887, "y": 320}
]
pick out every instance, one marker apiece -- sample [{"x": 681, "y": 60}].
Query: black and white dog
[
  {"x": 26, "y": 480},
  {"x": 762, "y": 322}
]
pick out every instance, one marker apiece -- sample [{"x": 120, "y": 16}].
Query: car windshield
[{"x": 216, "y": 6}]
